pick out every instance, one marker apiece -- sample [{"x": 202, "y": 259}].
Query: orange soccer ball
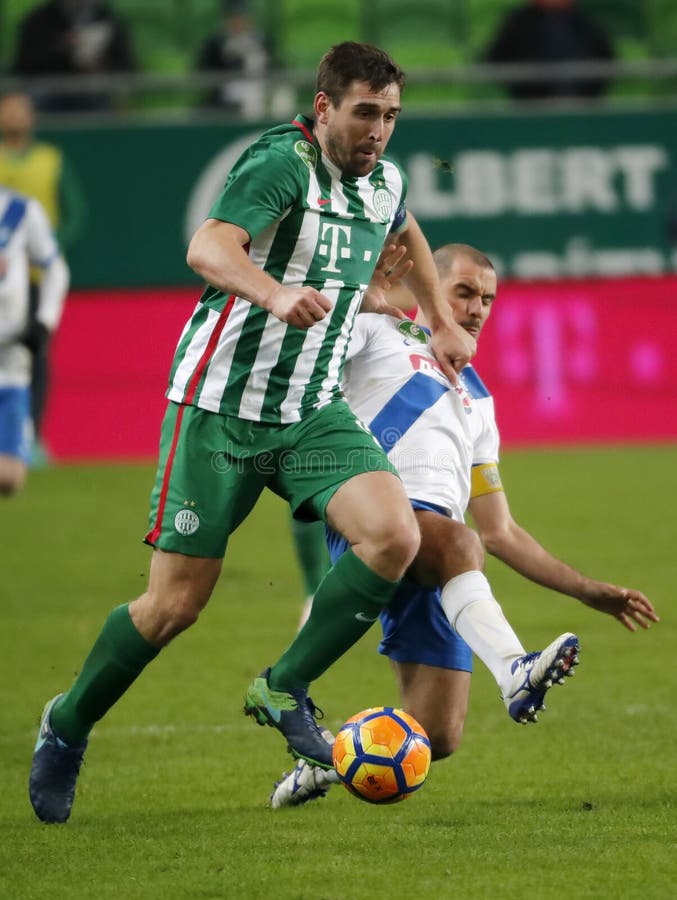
[{"x": 382, "y": 755}]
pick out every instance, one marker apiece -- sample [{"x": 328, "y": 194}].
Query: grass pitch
[{"x": 172, "y": 798}]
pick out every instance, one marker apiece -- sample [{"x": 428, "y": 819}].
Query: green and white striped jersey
[{"x": 309, "y": 225}]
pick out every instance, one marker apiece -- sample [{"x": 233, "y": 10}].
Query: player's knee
[
  {"x": 445, "y": 739},
  {"x": 444, "y": 731},
  {"x": 471, "y": 549},
  {"x": 403, "y": 541},
  {"x": 398, "y": 547},
  {"x": 465, "y": 554},
  {"x": 182, "y": 617},
  {"x": 390, "y": 543},
  {"x": 162, "y": 618}
]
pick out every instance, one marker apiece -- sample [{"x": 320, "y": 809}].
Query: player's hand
[
  {"x": 301, "y": 307},
  {"x": 631, "y": 608},
  {"x": 390, "y": 268},
  {"x": 453, "y": 348}
]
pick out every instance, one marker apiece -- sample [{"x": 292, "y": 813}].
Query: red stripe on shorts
[{"x": 154, "y": 534}]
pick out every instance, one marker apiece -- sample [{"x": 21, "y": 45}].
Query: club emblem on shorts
[
  {"x": 186, "y": 521},
  {"x": 307, "y": 153},
  {"x": 383, "y": 204},
  {"x": 412, "y": 332}
]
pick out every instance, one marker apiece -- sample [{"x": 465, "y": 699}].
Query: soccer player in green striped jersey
[{"x": 287, "y": 254}]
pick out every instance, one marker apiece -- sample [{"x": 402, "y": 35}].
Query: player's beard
[{"x": 347, "y": 159}]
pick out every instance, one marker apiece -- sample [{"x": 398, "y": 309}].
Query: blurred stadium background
[{"x": 576, "y": 202}]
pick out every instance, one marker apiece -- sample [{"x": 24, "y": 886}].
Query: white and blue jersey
[
  {"x": 434, "y": 434},
  {"x": 26, "y": 239}
]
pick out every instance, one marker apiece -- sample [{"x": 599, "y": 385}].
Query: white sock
[{"x": 476, "y": 616}]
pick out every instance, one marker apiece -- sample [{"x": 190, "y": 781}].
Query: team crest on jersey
[
  {"x": 186, "y": 522},
  {"x": 412, "y": 332},
  {"x": 307, "y": 153},
  {"x": 383, "y": 203}
]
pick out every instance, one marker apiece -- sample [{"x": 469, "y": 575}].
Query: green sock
[
  {"x": 118, "y": 656},
  {"x": 311, "y": 552},
  {"x": 346, "y": 604}
]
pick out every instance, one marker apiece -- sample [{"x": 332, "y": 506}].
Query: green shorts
[{"x": 213, "y": 468}]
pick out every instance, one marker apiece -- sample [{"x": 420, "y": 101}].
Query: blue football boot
[{"x": 54, "y": 772}]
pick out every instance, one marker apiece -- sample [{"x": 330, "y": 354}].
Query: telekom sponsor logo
[
  {"x": 583, "y": 362},
  {"x": 555, "y": 347}
]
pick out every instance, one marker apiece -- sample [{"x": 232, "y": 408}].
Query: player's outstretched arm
[
  {"x": 216, "y": 252},
  {"x": 505, "y": 539},
  {"x": 451, "y": 344}
]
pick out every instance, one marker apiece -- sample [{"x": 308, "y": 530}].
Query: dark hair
[{"x": 351, "y": 61}]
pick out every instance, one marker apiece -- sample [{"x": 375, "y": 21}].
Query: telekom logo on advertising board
[{"x": 583, "y": 362}]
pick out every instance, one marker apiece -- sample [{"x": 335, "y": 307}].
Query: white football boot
[
  {"x": 535, "y": 673},
  {"x": 303, "y": 783}
]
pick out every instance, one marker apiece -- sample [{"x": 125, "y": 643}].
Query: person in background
[
  {"x": 238, "y": 49},
  {"x": 25, "y": 239},
  {"x": 73, "y": 37},
  {"x": 39, "y": 169},
  {"x": 550, "y": 31}
]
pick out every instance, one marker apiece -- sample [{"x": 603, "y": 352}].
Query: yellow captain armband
[{"x": 484, "y": 479}]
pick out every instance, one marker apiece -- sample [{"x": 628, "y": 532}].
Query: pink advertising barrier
[
  {"x": 110, "y": 362},
  {"x": 584, "y": 362},
  {"x": 575, "y": 362}
]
